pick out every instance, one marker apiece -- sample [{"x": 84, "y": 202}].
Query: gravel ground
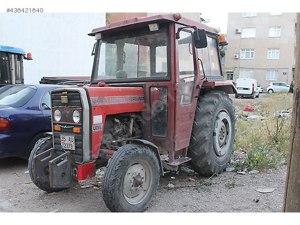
[{"x": 178, "y": 192}]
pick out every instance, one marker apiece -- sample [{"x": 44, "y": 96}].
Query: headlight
[
  {"x": 57, "y": 115},
  {"x": 76, "y": 116}
]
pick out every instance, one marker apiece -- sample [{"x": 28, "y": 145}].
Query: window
[
  {"x": 271, "y": 75},
  {"x": 135, "y": 55},
  {"x": 229, "y": 75},
  {"x": 46, "y": 101},
  {"x": 275, "y": 13},
  {"x": 159, "y": 111},
  {"x": 186, "y": 67},
  {"x": 248, "y": 32},
  {"x": 210, "y": 58},
  {"x": 247, "y": 53},
  {"x": 5, "y": 77},
  {"x": 246, "y": 74},
  {"x": 249, "y": 14},
  {"x": 274, "y": 32},
  {"x": 16, "y": 96},
  {"x": 273, "y": 53}
]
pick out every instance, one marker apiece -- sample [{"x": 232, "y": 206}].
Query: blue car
[{"x": 25, "y": 117}]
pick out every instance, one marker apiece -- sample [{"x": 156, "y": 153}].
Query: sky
[{"x": 216, "y": 11}]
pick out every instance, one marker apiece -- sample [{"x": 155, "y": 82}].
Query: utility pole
[{"x": 292, "y": 185}]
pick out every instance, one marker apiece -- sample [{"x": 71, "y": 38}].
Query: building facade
[{"x": 261, "y": 46}]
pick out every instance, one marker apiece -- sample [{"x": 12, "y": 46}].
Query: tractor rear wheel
[
  {"x": 213, "y": 133},
  {"x": 40, "y": 146},
  {"x": 131, "y": 179}
]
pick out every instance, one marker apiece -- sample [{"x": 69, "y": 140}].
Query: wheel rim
[
  {"x": 137, "y": 182},
  {"x": 222, "y": 134}
]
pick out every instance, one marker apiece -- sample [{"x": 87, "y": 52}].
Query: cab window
[{"x": 186, "y": 66}]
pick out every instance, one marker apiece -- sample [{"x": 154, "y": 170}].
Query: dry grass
[{"x": 263, "y": 144}]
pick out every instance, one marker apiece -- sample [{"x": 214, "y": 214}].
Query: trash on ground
[
  {"x": 256, "y": 200},
  {"x": 172, "y": 178},
  {"x": 230, "y": 169},
  {"x": 100, "y": 172},
  {"x": 255, "y": 117},
  {"x": 284, "y": 114},
  {"x": 248, "y": 108},
  {"x": 265, "y": 190},
  {"x": 26, "y": 172},
  {"x": 253, "y": 172},
  {"x": 241, "y": 172},
  {"x": 171, "y": 186},
  {"x": 86, "y": 186}
]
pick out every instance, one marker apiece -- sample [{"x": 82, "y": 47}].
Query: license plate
[{"x": 67, "y": 142}]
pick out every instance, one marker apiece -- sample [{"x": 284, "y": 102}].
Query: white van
[{"x": 247, "y": 87}]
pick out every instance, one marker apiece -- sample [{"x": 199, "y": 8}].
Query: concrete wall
[
  {"x": 58, "y": 42},
  {"x": 260, "y": 43}
]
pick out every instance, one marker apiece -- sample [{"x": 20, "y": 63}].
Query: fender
[
  {"x": 153, "y": 147},
  {"x": 226, "y": 86}
]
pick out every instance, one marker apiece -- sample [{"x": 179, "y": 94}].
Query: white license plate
[{"x": 67, "y": 142}]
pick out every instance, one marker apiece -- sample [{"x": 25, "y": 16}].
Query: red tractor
[{"x": 157, "y": 100}]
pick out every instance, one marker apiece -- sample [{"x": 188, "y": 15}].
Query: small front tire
[
  {"x": 40, "y": 146},
  {"x": 131, "y": 179}
]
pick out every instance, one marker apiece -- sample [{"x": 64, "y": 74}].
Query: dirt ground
[
  {"x": 183, "y": 191},
  {"x": 178, "y": 192}
]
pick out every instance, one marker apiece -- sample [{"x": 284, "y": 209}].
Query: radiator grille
[{"x": 67, "y": 102}]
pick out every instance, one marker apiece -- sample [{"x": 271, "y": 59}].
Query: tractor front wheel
[
  {"x": 43, "y": 184},
  {"x": 213, "y": 133},
  {"x": 131, "y": 179}
]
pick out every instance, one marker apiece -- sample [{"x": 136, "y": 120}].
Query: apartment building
[{"x": 261, "y": 46}]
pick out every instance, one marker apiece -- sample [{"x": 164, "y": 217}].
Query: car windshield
[
  {"x": 16, "y": 96},
  {"x": 135, "y": 55}
]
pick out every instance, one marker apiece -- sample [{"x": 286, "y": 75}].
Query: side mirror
[{"x": 200, "y": 39}]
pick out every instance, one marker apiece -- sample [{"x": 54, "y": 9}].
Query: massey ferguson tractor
[{"x": 157, "y": 100}]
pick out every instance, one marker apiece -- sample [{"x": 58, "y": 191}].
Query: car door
[{"x": 276, "y": 87}]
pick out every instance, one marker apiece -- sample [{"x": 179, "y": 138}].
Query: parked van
[{"x": 247, "y": 87}]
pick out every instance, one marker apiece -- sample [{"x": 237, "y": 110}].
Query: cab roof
[
  {"x": 9, "y": 49},
  {"x": 152, "y": 19}
]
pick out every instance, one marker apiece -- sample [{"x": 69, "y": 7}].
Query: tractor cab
[{"x": 11, "y": 65}]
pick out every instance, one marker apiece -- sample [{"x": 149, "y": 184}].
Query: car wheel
[{"x": 270, "y": 91}]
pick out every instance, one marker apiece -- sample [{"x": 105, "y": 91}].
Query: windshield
[
  {"x": 16, "y": 96},
  {"x": 135, "y": 55}
]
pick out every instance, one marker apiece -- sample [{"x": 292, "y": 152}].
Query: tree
[{"x": 292, "y": 186}]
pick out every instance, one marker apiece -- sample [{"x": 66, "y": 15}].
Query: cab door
[{"x": 188, "y": 79}]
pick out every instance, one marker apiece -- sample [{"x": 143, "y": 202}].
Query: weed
[
  {"x": 263, "y": 145},
  {"x": 204, "y": 184},
  {"x": 262, "y": 158},
  {"x": 230, "y": 183}
]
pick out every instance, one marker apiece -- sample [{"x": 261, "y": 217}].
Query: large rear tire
[
  {"x": 131, "y": 179},
  {"x": 41, "y": 146},
  {"x": 213, "y": 133}
]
